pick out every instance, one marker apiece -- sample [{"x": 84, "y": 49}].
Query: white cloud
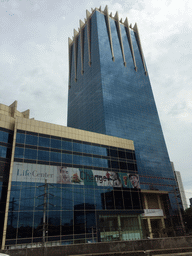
[{"x": 6, "y": 56}]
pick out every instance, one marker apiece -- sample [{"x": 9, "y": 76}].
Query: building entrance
[
  {"x": 156, "y": 227},
  {"x": 120, "y": 227}
]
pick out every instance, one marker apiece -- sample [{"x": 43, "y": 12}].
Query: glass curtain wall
[
  {"x": 6, "y": 137},
  {"x": 63, "y": 189}
]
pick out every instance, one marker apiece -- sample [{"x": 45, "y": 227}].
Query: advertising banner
[{"x": 25, "y": 172}]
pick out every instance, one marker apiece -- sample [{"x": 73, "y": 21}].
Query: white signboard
[{"x": 152, "y": 213}]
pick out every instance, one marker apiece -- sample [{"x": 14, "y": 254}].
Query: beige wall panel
[
  {"x": 32, "y": 122},
  {"x": 58, "y": 133},
  {"x": 2, "y": 124},
  {"x": 48, "y": 131},
  {"x": 33, "y": 128},
  {"x": 40, "y": 130},
  {"x": 71, "y": 133},
  {"x": 153, "y": 191},
  {"x": 22, "y": 121},
  {"x": 7, "y": 122},
  {"x": 2, "y": 117},
  {"x": 28, "y": 127},
  {"x": 64, "y": 134}
]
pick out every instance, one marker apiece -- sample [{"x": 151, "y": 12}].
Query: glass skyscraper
[{"x": 110, "y": 93}]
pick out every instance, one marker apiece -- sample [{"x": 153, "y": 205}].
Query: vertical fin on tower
[
  {"x": 106, "y": 12},
  {"x": 75, "y": 53},
  {"x": 120, "y": 36},
  {"x": 88, "y": 14},
  {"x": 135, "y": 28},
  {"x": 127, "y": 29},
  {"x": 81, "y": 23},
  {"x": 70, "y": 59}
]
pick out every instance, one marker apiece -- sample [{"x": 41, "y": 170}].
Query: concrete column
[
  {"x": 145, "y": 201},
  {"x": 159, "y": 202},
  {"x": 150, "y": 228},
  {"x": 9, "y": 187},
  {"x": 119, "y": 226}
]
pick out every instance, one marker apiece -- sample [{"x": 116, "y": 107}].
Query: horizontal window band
[{"x": 6, "y": 130}]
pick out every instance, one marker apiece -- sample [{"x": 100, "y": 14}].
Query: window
[
  {"x": 130, "y": 224},
  {"x": 31, "y": 140},
  {"x": 4, "y": 136},
  {"x": 43, "y": 155},
  {"x": 67, "y": 145},
  {"x": 20, "y": 138},
  {"x": 67, "y": 158},
  {"x": 121, "y": 154},
  {"x": 77, "y": 147},
  {"x": 3, "y": 151},
  {"x": 55, "y": 143},
  {"x": 44, "y": 142},
  {"x": 87, "y": 161},
  {"x": 77, "y": 159},
  {"x": 55, "y": 157},
  {"x": 19, "y": 152},
  {"x": 30, "y": 154}
]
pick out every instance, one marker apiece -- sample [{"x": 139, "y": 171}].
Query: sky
[{"x": 34, "y": 61}]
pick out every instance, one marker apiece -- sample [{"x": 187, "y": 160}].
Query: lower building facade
[{"x": 61, "y": 185}]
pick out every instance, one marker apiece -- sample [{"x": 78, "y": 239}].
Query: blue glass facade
[
  {"x": 115, "y": 97},
  {"x": 5, "y": 157},
  {"x": 77, "y": 186}
]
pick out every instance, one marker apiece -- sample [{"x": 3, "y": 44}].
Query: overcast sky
[{"x": 34, "y": 61}]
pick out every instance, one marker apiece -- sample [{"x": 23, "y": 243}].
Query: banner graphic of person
[
  {"x": 134, "y": 179},
  {"x": 68, "y": 175},
  {"x": 63, "y": 176}
]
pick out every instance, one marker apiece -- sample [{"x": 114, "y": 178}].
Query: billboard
[{"x": 25, "y": 172}]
